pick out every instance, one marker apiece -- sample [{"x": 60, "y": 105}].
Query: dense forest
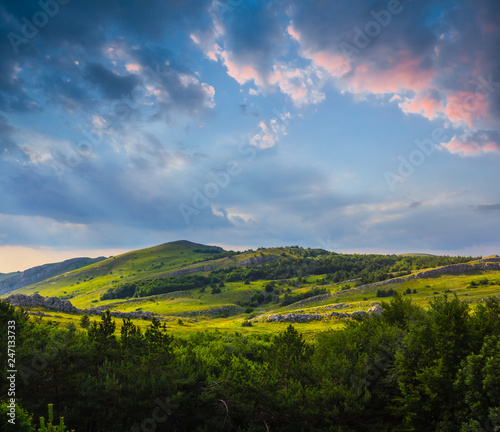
[
  {"x": 409, "y": 369},
  {"x": 300, "y": 264}
]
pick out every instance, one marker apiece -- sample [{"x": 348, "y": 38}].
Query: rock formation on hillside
[{"x": 37, "y": 300}]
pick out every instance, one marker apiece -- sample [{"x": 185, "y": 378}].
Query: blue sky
[{"x": 352, "y": 126}]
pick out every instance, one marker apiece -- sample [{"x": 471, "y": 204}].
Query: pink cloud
[
  {"x": 242, "y": 73},
  {"x": 270, "y": 133},
  {"x": 299, "y": 84},
  {"x": 133, "y": 67},
  {"x": 422, "y": 104},
  {"x": 405, "y": 74},
  {"x": 292, "y": 31},
  {"x": 469, "y": 147},
  {"x": 335, "y": 64},
  {"x": 466, "y": 106}
]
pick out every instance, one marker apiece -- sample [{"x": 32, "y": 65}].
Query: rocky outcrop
[
  {"x": 294, "y": 317},
  {"x": 55, "y": 303},
  {"x": 377, "y": 309},
  {"x": 338, "y": 306},
  {"x": 304, "y": 317},
  {"x": 117, "y": 314},
  {"x": 494, "y": 258},
  {"x": 37, "y": 300},
  {"x": 41, "y": 273},
  {"x": 455, "y": 268},
  {"x": 356, "y": 314},
  {"x": 449, "y": 269},
  {"x": 257, "y": 260},
  {"x": 188, "y": 271}
]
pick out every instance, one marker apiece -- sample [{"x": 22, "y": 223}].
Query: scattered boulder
[
  {"x": 305, "y": 317},
  {"x": 377, "y": 309},
  {"x": 37, "y": 300},
  {"x": 294, "y": 317},
  {"x": 339, "y": 314},
  {"x": 338, "y": 306}
]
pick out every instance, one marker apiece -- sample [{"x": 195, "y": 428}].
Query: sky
[{"x": 352, "y": 126}]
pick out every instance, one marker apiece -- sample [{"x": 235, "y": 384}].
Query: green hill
[
  {"x": 92, "y": 280},
  {"x": 197, "y": 281}
]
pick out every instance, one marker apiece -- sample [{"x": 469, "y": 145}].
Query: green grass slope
[
  {"x": 85, "y": 285},
  {"x": 199, "y": 308},
  {"x": 139, "y": 264},
  {"x": 178, "y": 307}
]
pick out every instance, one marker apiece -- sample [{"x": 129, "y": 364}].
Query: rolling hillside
[
  {"x": 221, "y": 288},
  {"x": 84, "y": 286}
]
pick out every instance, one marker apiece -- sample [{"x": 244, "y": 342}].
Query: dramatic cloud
[
  {"x": 250, "y": 123},
  {"x": 405, "y": 50},
  {"x": 474, "y": 143}
]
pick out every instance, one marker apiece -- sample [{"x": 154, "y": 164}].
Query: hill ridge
[{"x": 43, "y": 272}]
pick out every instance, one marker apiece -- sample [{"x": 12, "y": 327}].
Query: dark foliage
[
  {"x": 386, "y": 293},
  {"x": 148, "y": 287},
  {"x": 289, "y": 299},
  {"x": 409, "y": 369}
]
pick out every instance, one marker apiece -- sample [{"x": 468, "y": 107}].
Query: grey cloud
[
  {"x": 82, "y": 31},
  {"x": 488, "y": 207},
  {"x": 6, "y": 132},
  {"x": 112, "y": 85},
  {"x": 254, "y": 35}
]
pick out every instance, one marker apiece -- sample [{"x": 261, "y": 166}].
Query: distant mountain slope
[
  {"x": 138, "y": 264},
  {"x": 13, "y": 281},
  {"x": 4, "y": 276}
]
